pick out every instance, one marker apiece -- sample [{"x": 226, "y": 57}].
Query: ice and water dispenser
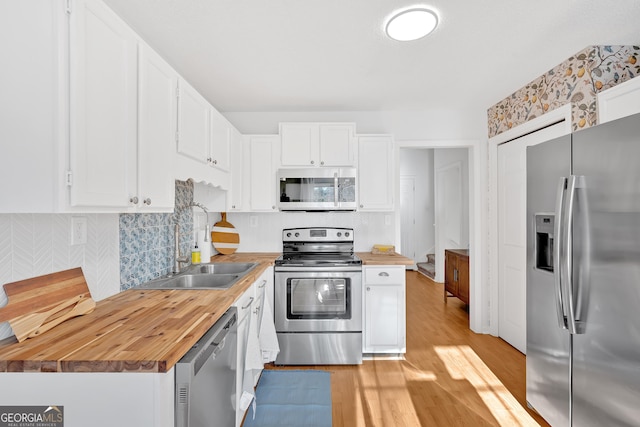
[{"x": 544, "y": 242}]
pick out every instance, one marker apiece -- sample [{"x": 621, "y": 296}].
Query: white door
[
  {"x": 103, "y": 86},
  {"x": 157, "y": 114},
  {"x": 512, "y": 234},
  {"x": 448, "y": 212},
  {"x": 408, "y": 216}
]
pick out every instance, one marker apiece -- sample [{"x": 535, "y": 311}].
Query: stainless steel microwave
[{"x": 317, "y": 189}]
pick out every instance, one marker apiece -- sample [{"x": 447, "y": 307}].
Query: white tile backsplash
[{"x": 36, "y": 244}]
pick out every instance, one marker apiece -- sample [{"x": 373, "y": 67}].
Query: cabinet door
[
  {"x": 336, "y": 145},
  {"x": 384, "y": 318},
  {"x": 450, "y": 265},
  {"x": 157, "y": 115},
  {"x": 375, "y": 173},
  {"x": 263, "y": 178},
  {"x": 299, "y": 144},
  {"x": 221, "y": 131},
  {"x": 236, "y": 166},
  {"x": 463, "y": 279},
  {"x": 194, "y": 123},
  {"x": 103, "y": 110}
]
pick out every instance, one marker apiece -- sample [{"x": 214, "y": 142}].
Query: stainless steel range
[{"x": 318, "y": 298}]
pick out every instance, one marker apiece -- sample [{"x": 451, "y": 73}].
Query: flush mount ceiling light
[{"x": 411, "y": 24}]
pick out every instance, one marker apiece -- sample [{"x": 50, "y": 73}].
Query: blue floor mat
[{"x": 292, "y": 398}]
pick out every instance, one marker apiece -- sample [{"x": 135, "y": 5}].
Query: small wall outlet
[{"x": 78, "y": 230}]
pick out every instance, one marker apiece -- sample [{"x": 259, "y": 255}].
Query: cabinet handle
[
  {"x": 248, "y": 304},
  {"x": 147, "y": 201},
  {"x": 209, "y": 159},
  {"x": 233, "y": 206},
  {"x": 134, "y": 200},
  {"x": 455, "y": 275},
  {"x": 383, "y": 274},
  {"x": 215, "y": 162},
  {"x": 264, "y": 283},
  {"x": 257, "y": 310},
  {"x": 368, "y": 288}
]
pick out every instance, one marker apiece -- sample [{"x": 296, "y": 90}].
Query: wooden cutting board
[
  {"x": 224, "y": 236},
  {"x": 38, "y": 304}
]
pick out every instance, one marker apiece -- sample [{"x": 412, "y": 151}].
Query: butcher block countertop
[
  {"x": 138, "y": 330},
  {"x": 384, "y": 259}
]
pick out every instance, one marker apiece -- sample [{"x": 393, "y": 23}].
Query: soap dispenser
[{"x": 195, "y": 254}]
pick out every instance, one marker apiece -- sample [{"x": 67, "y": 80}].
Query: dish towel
[
  {"x": 268, "y": 337},
  {"x": 252, "y": 360}
]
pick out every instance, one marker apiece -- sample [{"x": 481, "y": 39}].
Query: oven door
[{"x": 318, "y": 301}]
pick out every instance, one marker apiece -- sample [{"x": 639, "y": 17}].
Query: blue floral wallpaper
[
  {"x": 577, "y": 81},
  {"x": 147, "y": 239}
]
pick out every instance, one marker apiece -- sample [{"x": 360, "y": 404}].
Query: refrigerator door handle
[
  {"x": 558, "y": 249},
  {"x": 568, "y": 286}
]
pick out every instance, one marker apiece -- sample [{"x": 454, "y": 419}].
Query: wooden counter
[
  {"x": 138, "y": 330},
  {"x": 384, "y": 259}
]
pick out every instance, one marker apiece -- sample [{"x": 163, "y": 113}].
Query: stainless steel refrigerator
[{"x": 583, "y": 276}]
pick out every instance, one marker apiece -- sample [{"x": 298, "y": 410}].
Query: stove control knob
[
  {"x": 288, "y": 234},
  {"x": 297, "y": 234},
  {"x": 340, "y": 234},
  {"x": 346, "y": 234}
]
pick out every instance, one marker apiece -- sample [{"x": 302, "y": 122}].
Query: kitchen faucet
[{"x": 183, "y": 259}]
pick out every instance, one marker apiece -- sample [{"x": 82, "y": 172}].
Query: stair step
[
  {"x": 427, "y": 268},
  {"x": 431, "y": 258}
]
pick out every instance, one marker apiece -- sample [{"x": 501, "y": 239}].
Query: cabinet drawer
[
  {"x": 246, "y": 302},
  {"x": 384, "y": 275}
]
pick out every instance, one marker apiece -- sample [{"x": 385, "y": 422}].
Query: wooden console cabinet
[{"x": 456, "y": 274}]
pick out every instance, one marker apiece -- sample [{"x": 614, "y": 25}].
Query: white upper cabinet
[
  {"x": 157, "y": 114},
  {"x": 219, "y": 147},
  {"x": 194, "y": 123},
  {"x": 236, "y": 191},
  {"x": 375, "y": 173},
  {"x": 262, "y": 172},
  {"x": 317, "y": 144},
  {"x": 103, "y": 95}
]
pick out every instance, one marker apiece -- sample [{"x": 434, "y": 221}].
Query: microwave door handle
[{"x": 335, "y": 189}]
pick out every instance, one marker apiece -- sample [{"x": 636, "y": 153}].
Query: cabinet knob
[
  {"x": 313, "y": 162},
  {"x": 273, "y": 207},
  {"x": 362, "y": 206},
  {"x": 147, "y": 201},
  {"x": 134, "y": 200},
  {"x": 321, "y": 163},
  {"x": 209, "y": 159},
  {"x": 233, "y": 206},
  {"x": 215, "y": 162},
  {"x": 368, "y": 288}
]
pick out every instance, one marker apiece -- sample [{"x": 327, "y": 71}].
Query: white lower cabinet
[{"x": 384, "y": 326}]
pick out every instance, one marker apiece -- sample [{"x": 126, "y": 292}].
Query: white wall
[
  {"x": 265, "y": 235},
  {"x": 418, "y": 164},
  {"x": 442, "y": 124},
  {"x": 33, "y": 245}
]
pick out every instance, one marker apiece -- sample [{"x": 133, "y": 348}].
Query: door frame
[
  {"x": 492, "y": 267},
  {"x": 478, "y": 307}
]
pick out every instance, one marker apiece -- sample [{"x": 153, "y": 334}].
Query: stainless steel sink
[
  {"x": 222, "y": 268},
  {"x": 204, "y": 276}
]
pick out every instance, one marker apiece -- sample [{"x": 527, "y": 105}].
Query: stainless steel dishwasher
[{"x": 206, "y": 377}]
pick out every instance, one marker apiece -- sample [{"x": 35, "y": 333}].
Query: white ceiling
[{"x": 332, "y": 55}]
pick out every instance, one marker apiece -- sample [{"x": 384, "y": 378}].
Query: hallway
[{"x": 451, "y": 376}]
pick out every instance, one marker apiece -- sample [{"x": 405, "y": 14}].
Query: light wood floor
[{"x": 450, "y": 375}]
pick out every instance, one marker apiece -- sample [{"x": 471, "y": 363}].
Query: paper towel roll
[{"x": 205, "y": 247}]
